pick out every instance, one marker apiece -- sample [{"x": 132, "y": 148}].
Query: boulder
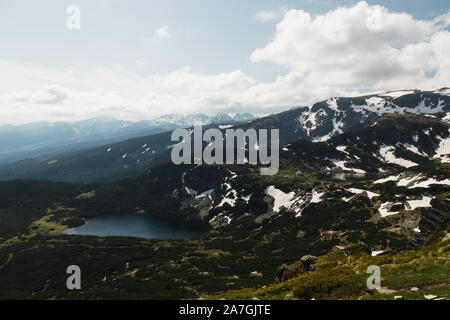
[
  {"x": 308, "y": 261},
  {"x": 446, "y": 237},
  {"x": 286, "y": 272},
  {"x": 255, "y": 274}
]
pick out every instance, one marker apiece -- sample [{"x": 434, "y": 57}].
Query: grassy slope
[
  {"x": 33, "y": 260},
  {"x": 341, "y": 276}
]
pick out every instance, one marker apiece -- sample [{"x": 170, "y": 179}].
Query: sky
[{"x": 140, "y": 59}]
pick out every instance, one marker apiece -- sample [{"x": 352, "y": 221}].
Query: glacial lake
[{"x": 132, "y": 225}]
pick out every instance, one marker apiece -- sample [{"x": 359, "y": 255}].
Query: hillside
[
  {"x": 245, "y": 248},
  {"x": 19, "y": 142},
  {"x": 341, "y": 274},
  {"x": 254, "y": 228},
  {"x": 316, "y": 123}
]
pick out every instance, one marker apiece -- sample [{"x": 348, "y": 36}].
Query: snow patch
[
  {"x": 412, "y": 148},
  {"x": 422, "y": 203},
  {"x": 341, "y": 164},
  {"x": 342, "y": 149},
  {"x": 384, "y": 209},
  {"x": 397, "y": 94},
  {"x": 316, "y": 197},
  {"x": 281, "y": 199},
  {"x": 247, "y": 198},
  {"x": 227, "y": 199},
  {"x": 404, "y": 182},
  {"x": 384, "y": 180},
  {"x": 205, "y": 193},
  {"x": 430, "y": 181},
  {"x": 190, "y": 191},
  {"x": 387, "y": 152},
  {"x": 375, "y": 253},
  {"x": 374, "y": 100},
  {"x": 447, "y": 117},
  {"x": 359, "y": 191},
  {"x": 443, "y": 150}
]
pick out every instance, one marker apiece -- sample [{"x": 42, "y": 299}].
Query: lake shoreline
[{"x": 134, "y": 225}]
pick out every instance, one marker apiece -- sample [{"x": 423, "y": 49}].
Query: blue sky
[{"x": 215, "y": 39}]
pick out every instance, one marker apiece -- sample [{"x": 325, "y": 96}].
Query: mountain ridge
[
  {"x": 317, "y": 123},
  {"x": 19, "y": 142}
]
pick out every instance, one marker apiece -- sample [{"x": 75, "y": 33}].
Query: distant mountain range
[
  {"x": 335, "y": 121},
  {"x": 197, "y": 118},
  {"x": 40, "y": 138}
]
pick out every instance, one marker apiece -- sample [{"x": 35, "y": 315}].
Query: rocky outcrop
[
  {"x": 286, "y": 272},
  {"x": 435, "y": 217},
  {"x": 308, "y": 261}
]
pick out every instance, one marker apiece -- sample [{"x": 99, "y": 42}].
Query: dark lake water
[{"x": 132, "y": 225}]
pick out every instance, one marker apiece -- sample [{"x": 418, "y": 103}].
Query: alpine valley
[{"x": 363, "y": 181}]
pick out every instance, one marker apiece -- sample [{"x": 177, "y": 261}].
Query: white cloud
[
  {"x": 115, "y": 92},
  {"x": 362, "y": 46},
  {"x": 163, "y": 33},
  {"x": 346, "y": 51},
  {"x": 270, "y": 15},
  {"x": 50, "y": 95}
]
